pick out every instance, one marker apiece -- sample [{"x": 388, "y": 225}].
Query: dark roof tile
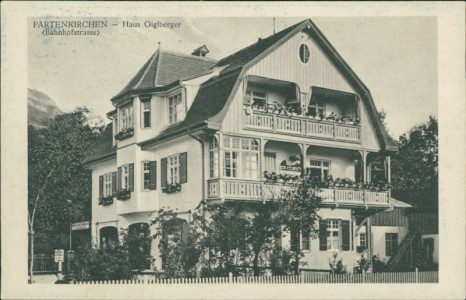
[{"x": 104, "y": 148}]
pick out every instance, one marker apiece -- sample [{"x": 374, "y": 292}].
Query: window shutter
[
  {"x": 119, "y": 179},
  {"x": 163, "y": 170},
  {"x": 101, "y": 187},
  {"x": 183, "y": 167},
  {"x": 323, "y": 235},
  {"x": 131, "y": 177},
  {"x": 114, "y": 183},
  {"x": 153, "y": 175},
  {"x": 345, "y": 235}
]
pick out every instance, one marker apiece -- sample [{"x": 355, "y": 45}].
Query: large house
[{"x": 188, "y": 129}]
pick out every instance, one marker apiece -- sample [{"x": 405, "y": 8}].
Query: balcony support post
[{"x": 369, "y": 237}]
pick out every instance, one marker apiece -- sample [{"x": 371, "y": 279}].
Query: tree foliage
[
  {"x": 60, "y": 148},
  {"x": 415, "y": 167}
]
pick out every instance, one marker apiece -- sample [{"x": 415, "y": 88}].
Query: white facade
[{"x": 341, "y": 149}]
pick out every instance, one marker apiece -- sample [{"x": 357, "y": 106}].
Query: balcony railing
[
  {"x": 238, "y": 189},
  {"x": 299, "y": 125}
]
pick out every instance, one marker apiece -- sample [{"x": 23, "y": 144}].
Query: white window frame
[
  {"x": 125, "y": 177},
  {"x": 176, "y": 110},
  {"x": 270, "y": 159},
  {"x": 107, "y": 188},
  {"x": 333, "y": 234},
  {"x": 173, "y": 169},
  {"x": 243, "y": 155},
  {"x": 322, "y": 164},
  {"x": 145, "y": 166},
  {"x": 363, "y": 239},
  {"x": 213, "y": 158},
  {"x": 126, "y": 117},
  {"x": 257, "y": 95},
  {"x": 316, "y": 107},
  {"x": 146, "y": 107}
]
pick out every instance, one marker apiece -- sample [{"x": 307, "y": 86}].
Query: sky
[{"x": 396, "y": 58}]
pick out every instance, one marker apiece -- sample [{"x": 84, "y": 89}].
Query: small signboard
[
  {"x": 59, "y": 255},
  {"x": 80, "y": 225}
]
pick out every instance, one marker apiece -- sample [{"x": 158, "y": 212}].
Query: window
[
  {"x": 333, "y": 230},
  {"x": 145, "y": 107},
  {"x": 304, "y": 53},
  {"x": 108, "y": 237},
  {"x": 126, "y": 177},
  {"x": 107, "y": 185},
  {"x": 316, "y": 108},
  {"x": 175, "y": 108},
  {"x": 363, "y": 240},
  {"x": 126, "y": 117},
  {"x": 173, "y": 169},
  {"x": 213, "y": 158},
  {"x": 241, "y": 158},
  {"x": 305, "y": 241},
  {"x": 257, "y": 98},
  {"x": 391, "y": 243},
  {"x": 320, "y": 169},
  {"x": 270, "y": 161},
  {"x": 146, "y": 175}
]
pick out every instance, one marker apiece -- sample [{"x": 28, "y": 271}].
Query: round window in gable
[{"x": 304, "y": 53}]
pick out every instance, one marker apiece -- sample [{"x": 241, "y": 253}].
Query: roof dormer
[{"x": 201, "y": 51}]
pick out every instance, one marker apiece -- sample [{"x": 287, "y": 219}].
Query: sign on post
[
  {"x": 80, "y": 225},
  {"x": 59, "y": 255}
]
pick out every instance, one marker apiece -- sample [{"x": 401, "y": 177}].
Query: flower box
[
  {"x": 171, "y": 188},
  {"x": 124, "y": 134},
  {"x": 105, "y": 201},
  {"x": 123, "y": 195},
  {"x": 290, "y": 168}
]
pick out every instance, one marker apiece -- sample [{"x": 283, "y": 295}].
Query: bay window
[
  {"x": 126, "y": 117},
  {"x": 176, "y": 109},
  {"x": 213, "y": 158},
  {"x": 241, "y": 158}
]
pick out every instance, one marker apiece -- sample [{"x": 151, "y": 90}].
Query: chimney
[{"x": 201, "y": 51}]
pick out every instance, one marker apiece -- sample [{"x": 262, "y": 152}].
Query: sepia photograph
[{"x": 267, "y": 151}]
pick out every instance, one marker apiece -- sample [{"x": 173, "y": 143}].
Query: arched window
[
  {"x": 108, "y": 237},
  {"x": 213, "y": 157}
]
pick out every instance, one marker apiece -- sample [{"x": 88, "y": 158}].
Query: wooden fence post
[
  {"x": 417, "y": 276},
  {"x": 230, "y": 277}
]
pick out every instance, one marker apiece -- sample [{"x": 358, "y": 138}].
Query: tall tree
[
  {"x": 59, "y": 187},
  {"x": 415, "y": 167}
]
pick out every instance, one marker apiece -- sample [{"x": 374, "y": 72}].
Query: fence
[
  {"x": 398, "y": 277},
  {"x": 43, "y": 263}
]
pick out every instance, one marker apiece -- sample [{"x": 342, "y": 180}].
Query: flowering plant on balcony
[
  {"x": 124, "y": 133},
  {"x": 172, "y": 188},
  {"x": 280, "y": 178},
  {"x": 104, "y": 201},
  {"x": 294, "y": 109},
  {"x": 123, "y": 194}
]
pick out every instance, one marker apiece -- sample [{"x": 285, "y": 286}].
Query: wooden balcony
[
  {"x": 301, "y": 126},
  {"x": 255, "y": 190}
]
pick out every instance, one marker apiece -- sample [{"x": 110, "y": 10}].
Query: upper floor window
[
  {"x": 256, "y": 98},
  {"x": 174, "y": 170},
  {"x": 126, "y": 117},
  {"x": 107, "y": 185},
  {"x": 213, "y": 157},
  {"x": 126, "y": 177},
  {"x": 145, "y": 108},
  {"x": 176, "y": 109},
  {"x": 320, "y": 169},
  {"x": 304, "y": 53},
  {"x": 241, "y": 157},
  {"x": 149, "y": 169},
  {"x": 316, "y": 109}
]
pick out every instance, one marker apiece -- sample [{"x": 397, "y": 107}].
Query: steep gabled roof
[
  {"x": 214, "y": 97},
  {"x": 165, "y": 67},
  {"x": 104, "y": 149}
]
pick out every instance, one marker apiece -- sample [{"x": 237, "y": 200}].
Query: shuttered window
[
  {"x": 334, "y": 234},
  {"x": 305, "y": 240},
  {"x": 149, "y": 176},
  {"x": 126, "y": 177},
  {"x": 174, "y": 169},
  {"x": 107, "y": 185}
]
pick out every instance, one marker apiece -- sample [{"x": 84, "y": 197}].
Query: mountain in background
[{"x": 41, "y": 108}]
